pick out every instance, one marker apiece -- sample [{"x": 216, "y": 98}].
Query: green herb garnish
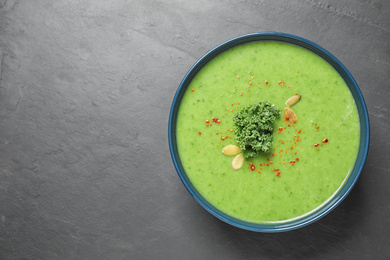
[{"x": 254, "y": 128}]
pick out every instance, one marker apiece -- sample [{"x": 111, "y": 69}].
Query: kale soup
[{"x": 299, "y": 160}]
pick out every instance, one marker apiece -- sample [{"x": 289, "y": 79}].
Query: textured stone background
[{"x": 85, "y": 93}]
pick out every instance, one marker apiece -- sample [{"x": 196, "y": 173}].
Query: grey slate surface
[{"x": 85, "y": 93}]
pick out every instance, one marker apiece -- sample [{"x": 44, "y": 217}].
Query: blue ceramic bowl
[{"x": 363, "y": 146}]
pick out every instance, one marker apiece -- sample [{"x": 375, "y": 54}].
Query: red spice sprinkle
[
  {"x": 325, "y": 140},
  {"x": 275, "y": 170},
  {"x": 299, "y": 131},
  {"x": 200, "y": 133},
  {"x": 198, "y": 151},
  {"x": 296, "y": 158},
  {"x": 207, "y": 121},
  {"x": 266, "y": 82},
  {"x": 267, "y": 159},
  {"x": 192, "y": 89},
  {"x": 223, "y": 138},
  {"x": 267, "y": 164},
  {"x": 292, "y": 162},
  {"x": 272, "y": 155},
  {"x": 218, "y": 121},
  {"x": 241, "y": 93},
  {"x": 211, "y": 124},
  {"x": 316, "y": 145},
  {"x": 261, "y": 164},
  {"x": 252, "y": 167},
  {"x": 278, "y": 174},
  {"x": 317, "y": 128},
  {"x": 216, "y": 132}
]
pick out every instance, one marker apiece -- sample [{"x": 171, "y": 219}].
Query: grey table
[{"x": 85, "y": 93}]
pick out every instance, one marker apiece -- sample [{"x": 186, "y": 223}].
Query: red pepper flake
[
  {"x": 297, "y": 159},
  {"x": 198, "y": 151},
  {"x": 261, "y": 164},
  {"x": 218, "y": 121},
  {"x": 192, "y": 89},
  {"x": 278, "y": 174},
  {"x": 267, "y": 159},
  {"x": 252, "y": 167},
  {"x": 316, "y": 145},
  {"x": 272, "y": 155},
  {"x": 207, "y": 121},
  {"x": 292, "y": 162},
  {"x": 299, "y": 131},
  {"x": 200, "y": 133},
  {"x": 238, "y": 77},
  {"x": 275, "y": 170},
  {"x": 223, "y": 138},
  {"x": 325, "y": 140},
  {"x": 242, "y": 93},
  {"x": 267, "y": 164},
  {"x": 216, "y": 133},
  {"x": 317, "y": 128}
]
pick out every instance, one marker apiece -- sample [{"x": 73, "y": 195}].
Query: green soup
[{"x": 309, "y": 160}]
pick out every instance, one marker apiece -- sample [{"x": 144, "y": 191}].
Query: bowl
[{"x": 326, "y": 207}]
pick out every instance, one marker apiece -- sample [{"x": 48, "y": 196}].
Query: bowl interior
[{"x": 363, "y": 145}]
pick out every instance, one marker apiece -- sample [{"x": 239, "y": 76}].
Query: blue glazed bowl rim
[{"x": 326, "y": 207}]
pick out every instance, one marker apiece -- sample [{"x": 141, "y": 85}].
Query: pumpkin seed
[
  {"x": 293, "y": 100},
  {"x": 290, "y": 115},
  {"x": 238, "y": 161},
  {"x": 231, "y": 150}
]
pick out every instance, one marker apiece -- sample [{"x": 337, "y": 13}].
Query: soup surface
[{"x": 308, "y": 161}]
